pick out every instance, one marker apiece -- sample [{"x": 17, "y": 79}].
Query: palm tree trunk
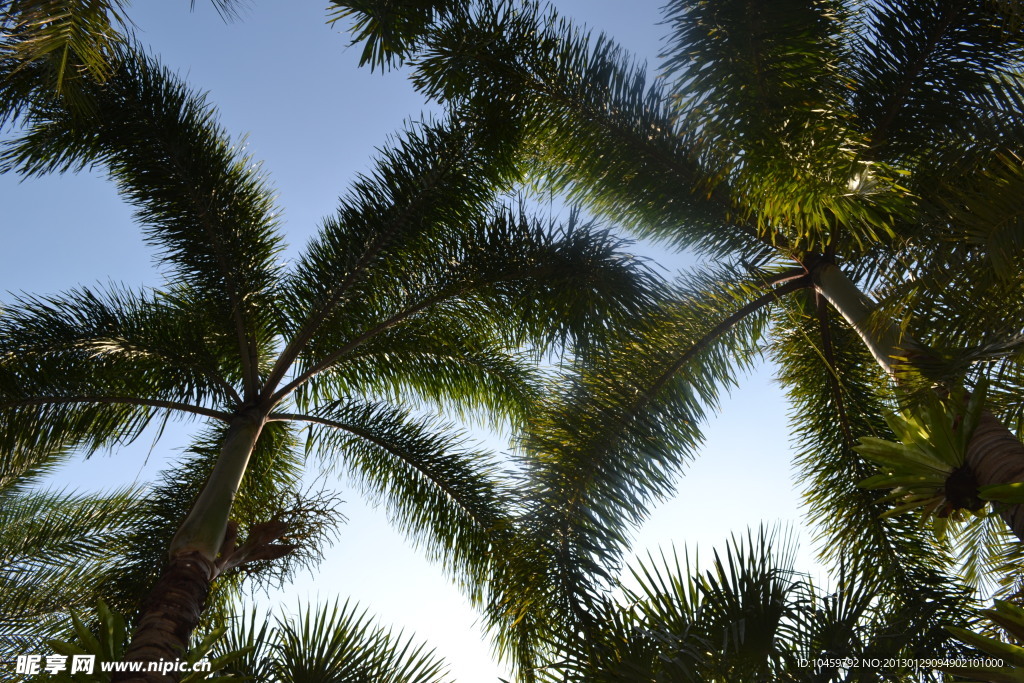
[
  {"x": 175, "y": 605},
  {"x": 170, "y": 615},
  {"x": 995, "y": 455}
]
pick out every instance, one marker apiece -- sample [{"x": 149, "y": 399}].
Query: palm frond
[
  {"x": 201, "y": 201},
  {"x": 51, "y": 50},
  {"x": 57, "y": 549},
  {"x": 763, "y": 88},
  {"x": 527, "y": 284},
  {"x": 92, "y": 368},
  {"x": 573, "y": 93},
  {"x": 443, "y": 496},
  {"x": 852, "y": 532},
  {"x": 431, "y": 178},
  {"x": 610, "y": 441},
  {"x": 441, "y": 359},
  {"x": 926, "y": 72},
  {"x": 750, "y": 617},
  {"x": 336, "y": 642},
  {"x": 391, "y": 31}
]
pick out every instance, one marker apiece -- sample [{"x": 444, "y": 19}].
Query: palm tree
[
  {"x": 57, "y": 549},
  {"x": 751, "y": 616},
  {"x": 805, "y": 151},
  {"x": 420, "y": 286},
  {"x": 339, "y": 642},
  {"x": 64, "y": 42},
  {"x": 336, "y": 642}
]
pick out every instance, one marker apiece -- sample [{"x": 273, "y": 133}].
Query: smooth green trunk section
[
  {"x": 204, "y": 528},
  {"x": 882, "y": 336}
]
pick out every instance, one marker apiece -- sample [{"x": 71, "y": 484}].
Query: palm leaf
[
  {"x": 336, "y": 642},
  {"x": 202, "y": 202}
]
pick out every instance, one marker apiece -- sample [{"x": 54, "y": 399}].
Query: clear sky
[{"x": 282, "y": 77}]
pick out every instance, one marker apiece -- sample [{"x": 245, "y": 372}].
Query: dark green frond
[
  {"x": 838, "y": 398},
  {"x": 443, "y": 359},
  {"x": 391, "y": 29},
  {"x": 767, "y": 72},
  {"x": 763, "y": 89},
  {"x": 444, "y": 497},
  {"x": 594, "y": 127},
  {"x": 610, "y": 441},
  {"x": 165, "y": 344},
  {"x": 336, "y": 642},
  {"x": 429, "y": 185},
  {"x": 56, "y": 548},
  {"x": 517, "y": 281},
  {"x": 750, "y": 617},
  {"x": 201, "y": 201},
  {"x": 925, "y": 72},
  {"x": 91, "y": 369}
]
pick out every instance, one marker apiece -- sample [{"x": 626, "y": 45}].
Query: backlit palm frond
[
  {"x": 431, "y": 186},
  {"x": 764, "y": 72},
  {"x": 54, "y": 49},
  {"x": 57, "y": 549},
  {"x": 51, "y": 49},
  {"x": 748, "y": 617},
  {"x": 505, "y": 282},
  {"x": 838, "y": 397},
  {"x": 435, "y": 358},
  {"x": 336, "y": 642},
  {"x": 611, "y": 440},
  {"x": 92, "y": 368},
  {"x": 568, "y": 93},
  {"x": 431, "y": 180},
  {"x": 166, "y": 342},
  {"x": 924, "y": 73},
  {"x": 391, "y": 30},
  {"x": 445, "y": 497},
  {"x": 762, "y": 87},
  {"x": 201, "y": 201}
]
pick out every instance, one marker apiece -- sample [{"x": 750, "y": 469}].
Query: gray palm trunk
[
  {"x": 994, "y": 454},
  {"x": 174, "y": 607}
]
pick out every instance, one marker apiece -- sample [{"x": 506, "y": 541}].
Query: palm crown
[
  {"x": 803, "y": 151},
  {"x": 420, "y": 285}
]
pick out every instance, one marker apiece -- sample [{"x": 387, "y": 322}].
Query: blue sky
[{"x": 288, "y": 82}]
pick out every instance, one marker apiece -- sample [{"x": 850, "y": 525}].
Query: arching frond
[
  {"x": 573, "y": 93},
  {"x": 336, "y": 642},
  {"x": 925, "y": 75},
  {"x": 522, "y": 282},
  {"x": 449, "y": 363},
  {"x": 446, "y": 498},
  {"x": 610, "y": 441},
  {"x": 202, "y": 203},
  {"x": 838, "y": 398},
  {"x": 57, "y": 547}
]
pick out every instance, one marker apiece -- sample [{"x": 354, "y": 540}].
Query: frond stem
[
  {"x": 311, "y": 325},
  {"x": 120, "y": 400},
  {"x": 364, "y": 434}
]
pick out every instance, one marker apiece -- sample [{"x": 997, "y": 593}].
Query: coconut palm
[
  {"x": 805, "y": 152},
  {"x": 421, "y": 290}
]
